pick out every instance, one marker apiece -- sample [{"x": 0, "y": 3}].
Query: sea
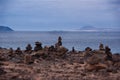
[{"x": 78, "y": 40}]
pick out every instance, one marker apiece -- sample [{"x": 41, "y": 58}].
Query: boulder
[
  {"x": 87, "y": 49},
  {"x": 27, "y": 59},
  {"x": 95, "y": 67},
  {"x": 95, "y": 62},
  {"x": 61, "y": 50},
  {"x": 51, "y": 48},
  {"x": 95, "y": 59}
]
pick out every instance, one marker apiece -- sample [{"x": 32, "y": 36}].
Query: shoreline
[{"x": 79, "y": 40}]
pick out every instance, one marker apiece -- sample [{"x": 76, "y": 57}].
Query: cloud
[
  {"x": 115, "y": 6},
  {"x": 61, "y": 13}
]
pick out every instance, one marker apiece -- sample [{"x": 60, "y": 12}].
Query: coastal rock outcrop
[
  {"x": 27, "y": 59},
  {"x": 58, "y": 63},
  {"x": 61, "y": 50}
]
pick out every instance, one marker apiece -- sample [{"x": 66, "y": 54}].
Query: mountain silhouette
[
  {"x": 4, "y": 29},
  {"x": 88, "y": 28}
]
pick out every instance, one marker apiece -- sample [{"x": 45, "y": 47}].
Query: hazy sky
[{"x": 59, "y": 14}]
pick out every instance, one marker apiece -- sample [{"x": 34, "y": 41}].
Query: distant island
[
  {"x": 5, "y": 28},
  {"x": 92, "y": 28}
]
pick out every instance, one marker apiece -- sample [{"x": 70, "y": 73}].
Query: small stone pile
[
  {"x": 98, "y": 59},
  {"x": 59, "y": 43},
  {"x": 18, "y": 51},
  {"x": 28, "y": 48},
  {"x": 38, "y": 46},
  {"x": 101, "y": 47},
  {"x": 108, "y": 53}
]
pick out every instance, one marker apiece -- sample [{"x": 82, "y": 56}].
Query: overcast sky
[{"x": 44, "y": 15}]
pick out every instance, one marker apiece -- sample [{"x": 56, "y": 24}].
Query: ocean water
[{"x": 80, "y": 40}]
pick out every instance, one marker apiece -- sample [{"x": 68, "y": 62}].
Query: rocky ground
[
  {"x": 47, "y": 70},
  {"x": 58, "y": 63},
  {"x": 71, "y": 67}
]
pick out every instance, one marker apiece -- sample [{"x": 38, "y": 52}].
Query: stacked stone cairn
[
  {"x": 108, "y": 53},
  {"x": 93, "y": 59},
  {"x": 101, "y": 47},
  {"x": 28, "y": 49},
  {"x": 59, "y": 48},
  {"x": 59, "y": 43},
  {"x": 73, "y": 49},
  {"x": 18, "y": 51},
  {"x": 11, "y": 51},
  {"x": 87, "y": 52},
  {"x": 38, "y": 46},
  {"x": 98, "y": 59}
]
